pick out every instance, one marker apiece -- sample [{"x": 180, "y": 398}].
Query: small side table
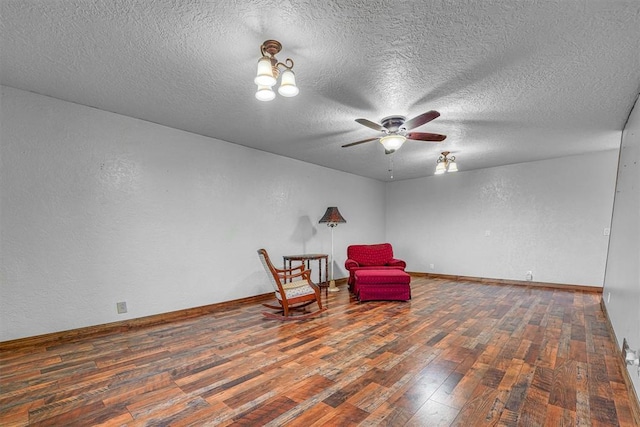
[{"x": 308, "y": 258}]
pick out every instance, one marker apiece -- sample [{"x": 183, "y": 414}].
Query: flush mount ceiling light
[
  {"x": 446, "y": 164},
  {"x": 269, "y": 70}
]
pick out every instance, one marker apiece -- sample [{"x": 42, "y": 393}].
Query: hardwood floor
[{"x": 457, "y": 354}]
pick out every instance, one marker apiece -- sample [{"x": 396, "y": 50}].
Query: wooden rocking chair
[{"x": 293, "y": 290}]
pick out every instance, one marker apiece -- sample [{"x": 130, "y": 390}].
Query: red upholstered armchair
[{"x": 370, "y": 257}]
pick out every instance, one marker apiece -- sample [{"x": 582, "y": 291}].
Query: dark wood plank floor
[{"x": 457, "y": 354}]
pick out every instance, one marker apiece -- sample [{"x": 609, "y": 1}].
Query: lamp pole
[{"x": 332, "y": 283}]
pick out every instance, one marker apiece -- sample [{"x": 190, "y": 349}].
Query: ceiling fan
[{"x": 394, "y": 129}]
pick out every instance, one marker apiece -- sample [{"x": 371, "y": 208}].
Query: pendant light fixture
[
  {"x": 446, "y": 163},
  {"x": 269, "y": 71}
]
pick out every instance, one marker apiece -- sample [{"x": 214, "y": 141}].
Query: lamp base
[{"x": 332, "y": 286}]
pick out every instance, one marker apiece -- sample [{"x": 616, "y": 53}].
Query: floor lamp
[{"x": 332, "y": 218}]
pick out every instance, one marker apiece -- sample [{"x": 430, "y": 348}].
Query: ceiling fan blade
[
  {"x": 423, "y": 136},
  {"x": 370, "y": 124},
  {"x": 420, "y": 120},
  {"x": 359, "y": 142}
]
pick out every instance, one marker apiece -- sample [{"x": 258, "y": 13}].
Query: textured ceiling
[{"x": 514, "y": 81}]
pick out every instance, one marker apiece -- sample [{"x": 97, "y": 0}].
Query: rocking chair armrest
[
  {"x": 284, "y": 276},
  {"x": 285, "y": 270}
]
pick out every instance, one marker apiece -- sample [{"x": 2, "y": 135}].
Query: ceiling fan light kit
[
  {"x": 269, "y": 71},
  {"x": 394, "y": 130},
  {"x": 445, "y": 163},
  {"x": 392, "y": 142}
]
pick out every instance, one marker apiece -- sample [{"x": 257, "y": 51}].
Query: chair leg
[{"x": 285, "y": 312}]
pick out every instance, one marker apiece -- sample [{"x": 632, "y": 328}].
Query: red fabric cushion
[
  {"x": 384, "y": 293},
  {"x": 368, "y": 255},
  {"x": 380, "y": 277}
]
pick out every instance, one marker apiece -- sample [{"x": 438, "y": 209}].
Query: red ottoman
[{"x": 382, "y": 285}]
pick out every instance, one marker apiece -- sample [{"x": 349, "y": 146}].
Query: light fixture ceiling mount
[
  {"x": 269, "y": 71},
  {"x": 272, "y": 47}
]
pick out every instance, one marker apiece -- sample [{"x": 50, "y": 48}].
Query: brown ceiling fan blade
[
  {"x": 370, "y": 124},
  {"x": 420, "y": 120},
  {"x": 423, "y": 136},
  {"x": 359, "y": 142}
]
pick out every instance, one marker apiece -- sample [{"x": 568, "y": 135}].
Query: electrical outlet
[
  {"x": 630, "y": 357},
  {"x": 608, "y": 297},
  {"x": 121, "y": 307},
  {"x": 432, "y": 266},
  {"x": 529, "y": 276},
  {"x": 606, "y": 232}
]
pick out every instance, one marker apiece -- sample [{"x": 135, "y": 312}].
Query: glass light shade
[
  {"x": 265, "y": 93},
  {"x": 288, "y": 86},
  {"x": 392, "y": 142},
  {"x": 453, "y": 167},
  {"x": 264, "y": 76},
  {"x": 440, "y": 168}
]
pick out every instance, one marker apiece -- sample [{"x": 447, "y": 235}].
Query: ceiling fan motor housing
[{"x": 393, "y": 123}]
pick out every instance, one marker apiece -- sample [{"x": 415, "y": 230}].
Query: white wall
[
  {"x": 547, "y": 216},
  {"x": 98, "y": 208},
  {"x": 622, "y": 280}
]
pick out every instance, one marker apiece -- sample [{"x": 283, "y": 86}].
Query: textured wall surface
[
  {"x": 622, "y": 280},
  {"x": 547, "y": 217},
  {"x": 98, "y": 208}
]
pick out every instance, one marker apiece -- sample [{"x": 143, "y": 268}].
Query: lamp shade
[
  {"x": 264, "y": 75},
  {"x": 288, "y": 86},
  {"x": 440, "y": 168},
  {"x": 332, "y": 216},
  {"x": 453, "y": 167},
  {"x": 265, "y": 93},
  {"x": 392, "y": 142}
]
